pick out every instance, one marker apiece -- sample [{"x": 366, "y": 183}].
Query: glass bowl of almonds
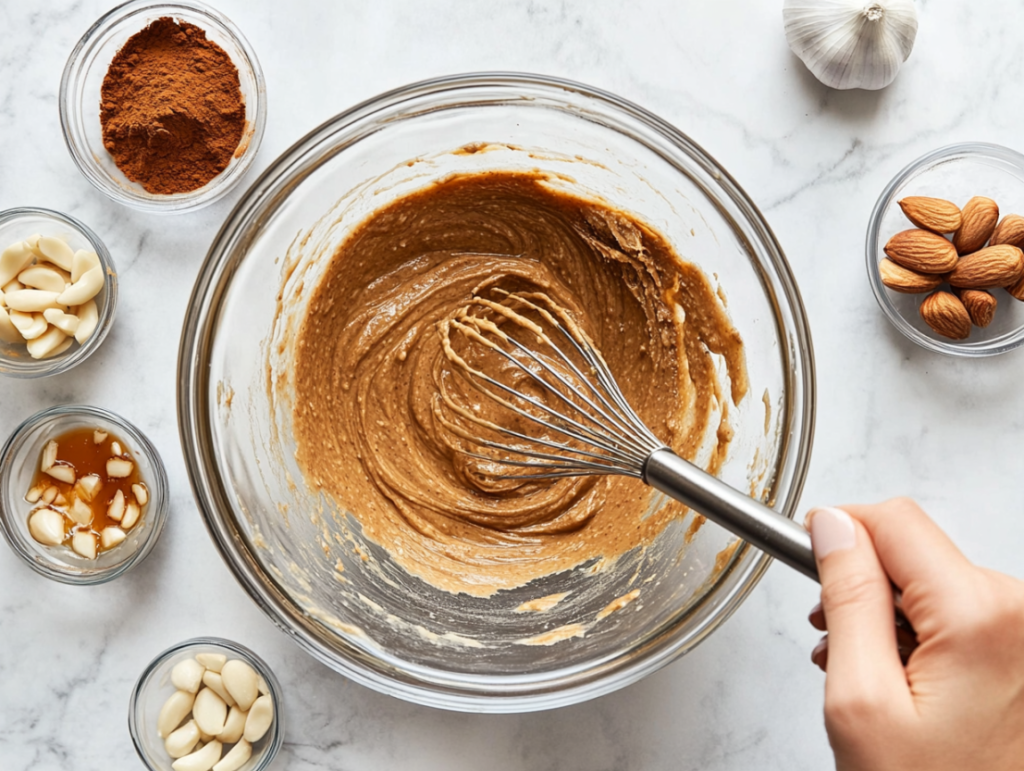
[
  {"x": 83, "y": 494},
  {"x": 206, "y": 703},
  {"x": 58, "y": 292},
  {"x": 944, "y": 252}
]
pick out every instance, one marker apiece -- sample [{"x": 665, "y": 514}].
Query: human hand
[{"x": 958, "y": 705}]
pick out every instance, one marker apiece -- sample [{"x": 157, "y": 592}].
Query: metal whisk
[{"x": 578, "y": 422}]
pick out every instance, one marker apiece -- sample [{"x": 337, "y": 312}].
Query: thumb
[{"x": 857, "y": 600}]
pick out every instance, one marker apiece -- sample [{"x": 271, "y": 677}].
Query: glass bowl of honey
[{"x": 83, "y": 494}]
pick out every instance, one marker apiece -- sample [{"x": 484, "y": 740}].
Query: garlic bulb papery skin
[{"x": 851, "y": 43}]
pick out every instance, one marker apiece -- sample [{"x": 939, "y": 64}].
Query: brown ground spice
[{"x": 171, "y": 108}]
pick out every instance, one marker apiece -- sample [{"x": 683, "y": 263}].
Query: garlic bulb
[{"x": 851, "y": 43}]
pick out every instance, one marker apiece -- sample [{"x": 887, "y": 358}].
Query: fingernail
[
  {"x": 831, "y": 530},
  {"x": 816, "y": 609},
  {"x": 820, "y": 652}
]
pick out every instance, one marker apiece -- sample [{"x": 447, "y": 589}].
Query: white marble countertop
[{"x": 891, "y": 418}]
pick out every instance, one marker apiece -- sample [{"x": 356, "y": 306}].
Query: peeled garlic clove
[
  {"x": 65, "y": 322},
  {"x": 88, "y": 318},
  {"x": 203, "y": 760},
  {"x": 30, "y": 300},
  {"x": 241, "y": 681},
  {"x": 115, "y": 510},
  {"x": 14, "y": 259},
  {"x": 44, "y": 345},
  {"x": 174, "y": 710},
  {"x": 84, "y": 543},
  {"x": 260, "y": 717},
  {"x": 111, "y": 537},
  {"x": 8, "y": 332},
  {"x": 83, "y": 261},
  {"x": 131, "y": 515},
  {"x": 851, "y": 43},
  {"x": 118, "y": 467},
  {"x": 181, "y": 741},
  {"x": 83, "y": 290},
  {"x": 33, "y": 495},
  {"x": 212, "y": 661},
  {"x": 42, "y": 277},
  {"x": 210, "y": 712},
  {"x": 47, "y": 527},
  {"x": 61, "y": 473},
  {"x": 187, "y": 675},
  {"x": 236, "y": 758},
  {"x": 80, "y": 512},
  {"x": 141, "y": 494},
  {"x": 59, "y": 349},
  {"x": 234, "y": 726},
  {"x": 99, "y": 436},
  {"x": 57, "y": 251},
  {"x": 213, "y": 681},
  {"x": 88, "y": 487},
  {"x": 30, "y": 325},
  {"x": 261, "y": 684}
]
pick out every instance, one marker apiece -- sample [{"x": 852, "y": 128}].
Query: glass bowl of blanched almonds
[
  {"x": 58, "y": 292},
  {"x": 206, "y": 703}
]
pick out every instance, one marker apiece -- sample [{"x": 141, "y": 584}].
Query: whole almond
[
  {"x": 935, "y": 214},
  {"x": 980, "y": 305},
  {"x": 1009, "y": 231},
  {"x": 999, "y": 265},
  {"x": 944, "y": 313},
  {"x": 922, "y": 251},
  {"x": 1017, "y": 290},
  {"x": 901, "y": 279},
  {"x": 980, "y": 216}
]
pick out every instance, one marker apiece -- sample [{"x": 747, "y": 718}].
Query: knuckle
[
  {"x": 851, "y": 590},
  {"x": 852, "y": 710}
]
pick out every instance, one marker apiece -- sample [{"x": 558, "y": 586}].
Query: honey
[{"x": 91, "y": 478}]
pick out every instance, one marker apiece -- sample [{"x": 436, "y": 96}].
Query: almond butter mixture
[{"x": 369, "y": 362}]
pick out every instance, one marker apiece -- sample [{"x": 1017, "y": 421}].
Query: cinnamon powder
[{"x": 171, "y": 108}]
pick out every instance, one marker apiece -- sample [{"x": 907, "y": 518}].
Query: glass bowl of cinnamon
[{"x": 163, "y": 105}]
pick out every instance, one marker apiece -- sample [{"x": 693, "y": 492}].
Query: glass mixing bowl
[{"x": 366, "y": 618}]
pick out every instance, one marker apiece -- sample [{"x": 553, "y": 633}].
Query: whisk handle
[{"x": 740, "y": 514}]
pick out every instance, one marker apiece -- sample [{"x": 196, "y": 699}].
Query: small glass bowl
[
  {"x": 154, "y": 687},
  {"x": 19, "y": 224},
  {"x": 18, "y": 463},
  {"x": 956, "y": 173},
  {"x": 80, "y": 101}
]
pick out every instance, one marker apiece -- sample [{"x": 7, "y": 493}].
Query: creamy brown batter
[{"x": 369, "y": 363}]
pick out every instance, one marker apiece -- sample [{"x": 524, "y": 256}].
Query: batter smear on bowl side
[{"x": 369, "y": 363}]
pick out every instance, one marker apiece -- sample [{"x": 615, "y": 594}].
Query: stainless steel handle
[{"x": 751, "y": 520}]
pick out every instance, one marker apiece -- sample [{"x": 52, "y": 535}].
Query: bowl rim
[
  {"x": 567, "y": 685},
  {"x": 33, "y": 368},
  {"x": 1005, "y": 157},
  {"x": 157, "y": 516},
  {"x": 67, "y": 100},
  {"x": 273, "y": 686}
]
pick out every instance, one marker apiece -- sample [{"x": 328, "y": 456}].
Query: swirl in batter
[{"x": 369, "y": 364}]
